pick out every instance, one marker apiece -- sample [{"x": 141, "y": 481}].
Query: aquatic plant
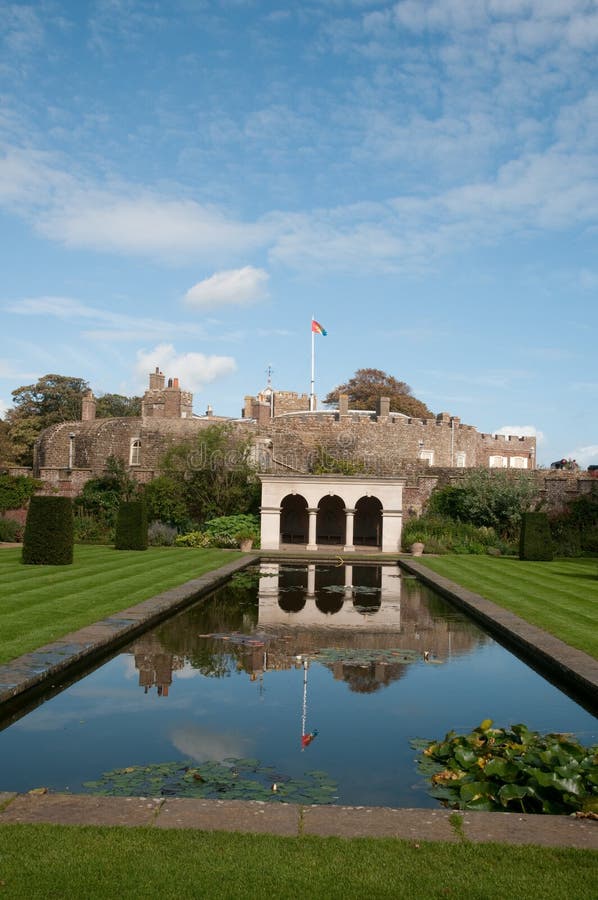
[
  {"x": 231, "y": 779},
  {"x": 512, "y": 769}
]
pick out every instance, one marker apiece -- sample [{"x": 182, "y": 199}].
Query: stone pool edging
[
  {"x": 559, "y": 662},
  {"x": 67, "y": 655},
  {"x": 292, "y": 820}
]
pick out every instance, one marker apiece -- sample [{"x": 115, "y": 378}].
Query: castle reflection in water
[{"x": 367, "y": 624}]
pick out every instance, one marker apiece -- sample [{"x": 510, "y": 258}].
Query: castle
[{"x": 286, "y": 436}]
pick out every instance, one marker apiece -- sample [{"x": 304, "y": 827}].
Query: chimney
[
  {"x": 156, "y": 380},
  {"x": 88, "y": 407},
  {"x": 209, "y": 411},
  {"x": 175, "y": 383}
]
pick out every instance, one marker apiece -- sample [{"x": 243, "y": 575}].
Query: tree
[
  {"x": 117, "y": 406},
  {"x": 8, "y": 453},
  {"x": 214, "y": 473},
  {"x": 368, "y": 385},
  {"x": 52, "y": 399},
  {"x": 164, "y": 499}
]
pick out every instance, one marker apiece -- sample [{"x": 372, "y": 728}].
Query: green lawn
[
  {"x": 51, "y": 861},
  {"x": 41, "y": 603},
  {"x": 560, "y": 596}
]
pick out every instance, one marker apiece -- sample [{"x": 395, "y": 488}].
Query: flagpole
[{"x": 313, "y": 367}]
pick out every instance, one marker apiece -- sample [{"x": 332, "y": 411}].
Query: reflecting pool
[{"x": 312, "y": 676}]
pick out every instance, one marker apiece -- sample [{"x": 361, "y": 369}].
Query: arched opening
[
  {"x": 292, "y": 595},
  {"x": 367, "y": 528},
  {"x": 294, "y": 520},
  {"x": 330, "y": 523}
]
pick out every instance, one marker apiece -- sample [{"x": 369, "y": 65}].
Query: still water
[{"x": 302, "y": 667}]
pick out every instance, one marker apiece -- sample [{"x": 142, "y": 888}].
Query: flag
[{"x": 317, "y": 328}]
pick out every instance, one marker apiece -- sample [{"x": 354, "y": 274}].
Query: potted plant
[{"x": 245, "y": 539}]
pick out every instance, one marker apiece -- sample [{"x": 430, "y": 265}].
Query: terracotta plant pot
[
  {"x": 246, "y": 544},
  {"x": 417, "y": 549}
]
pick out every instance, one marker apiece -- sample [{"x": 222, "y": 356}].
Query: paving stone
[
  {"x": 75, "y": 809},
  {"x": 375, "y": 821},
  {"x": 545, "y": 831},
  {"x": 230, "y": 815}
]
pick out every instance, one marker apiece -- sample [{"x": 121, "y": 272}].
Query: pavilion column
[
  {"x": 348, "y": 582},
  {"x": 270, "y": 528},
  {"x": 349, "y": 522},
  {"x": 311, "y": 580},
  {"x": 311, "y": 540},
  {"x": 392, "y": 524}
]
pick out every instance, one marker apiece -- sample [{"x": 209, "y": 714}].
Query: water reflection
[{"x": 364, "y": 624}]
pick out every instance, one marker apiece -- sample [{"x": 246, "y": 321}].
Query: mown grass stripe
[
  {"x": 39, "y": 604},
  {"x": 560, "y": 597}
]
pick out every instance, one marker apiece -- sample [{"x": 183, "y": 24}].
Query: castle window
[
  {"x": 518, "y": 462},
  {"x": 498, "y": 462},
  {"x": 135, "y": 452},
  {"x": 460, "y": 459},
  {"x": 427, "y": 456}
]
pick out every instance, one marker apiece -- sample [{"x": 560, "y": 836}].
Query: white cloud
[
  {"x": 4, "y": 407},
  {"x": 204, "y": 745},
  {"x": 147, "y": 224},
  {"x": 521, "y": 431},
  {"x": 120, "y": 327},
  {"x": 194, "y": 370},
  {"x": 585, "y": 456},
  {"x": 236, "y": 287}
]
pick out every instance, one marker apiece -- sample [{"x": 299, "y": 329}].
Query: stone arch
[
  {"x": 367, "y": 528},
  {"x": 294, "y": 519},
  {"x": 329, "y": 604},
  {"x": 330, "y": 522}
]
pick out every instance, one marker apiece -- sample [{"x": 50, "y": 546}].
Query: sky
[{"x": 185, "y": 183}]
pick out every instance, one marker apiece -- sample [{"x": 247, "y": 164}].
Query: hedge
[
  {"x": 48, "y": 538},
  {"x": 535, "y": 542},
  {"x": 131, "y": 526}
]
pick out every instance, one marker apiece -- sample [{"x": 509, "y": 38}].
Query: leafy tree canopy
[
  {"x": 117, "y": 406},
  {"x": 214, "y": 472},
  {"x": 54, "y": 398},
  {"x": 368, "y": 385}
]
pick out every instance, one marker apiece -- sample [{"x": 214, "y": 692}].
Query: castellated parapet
[{"x": 287, "y": 438}]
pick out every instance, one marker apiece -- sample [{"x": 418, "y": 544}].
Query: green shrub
[
  {"x": 193, "y": 539},
  {"x": 131, "y": 526},
  {"x": 159, "y": 534},
  {"x": 165, "y": 502},
  {"x": 15, "y": 491},
  {"x": 10, "y": 531},
  {"x": 486, "y": 497},
  {"x": 48, "y": 537},
  {"x": 91, "y": 529},
  {"x": 535, "y": 542},
  {"x": 566, "y": 536},
  {"x": 441, "y": 534},
  {"x": 224, "y": 531}
]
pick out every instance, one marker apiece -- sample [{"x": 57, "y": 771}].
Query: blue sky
[{"x": 183, "y": 183}]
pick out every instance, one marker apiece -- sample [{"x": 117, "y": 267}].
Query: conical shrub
[
  {"x": 131, "y": 526},
  {"x": 48, "y": 538}
]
